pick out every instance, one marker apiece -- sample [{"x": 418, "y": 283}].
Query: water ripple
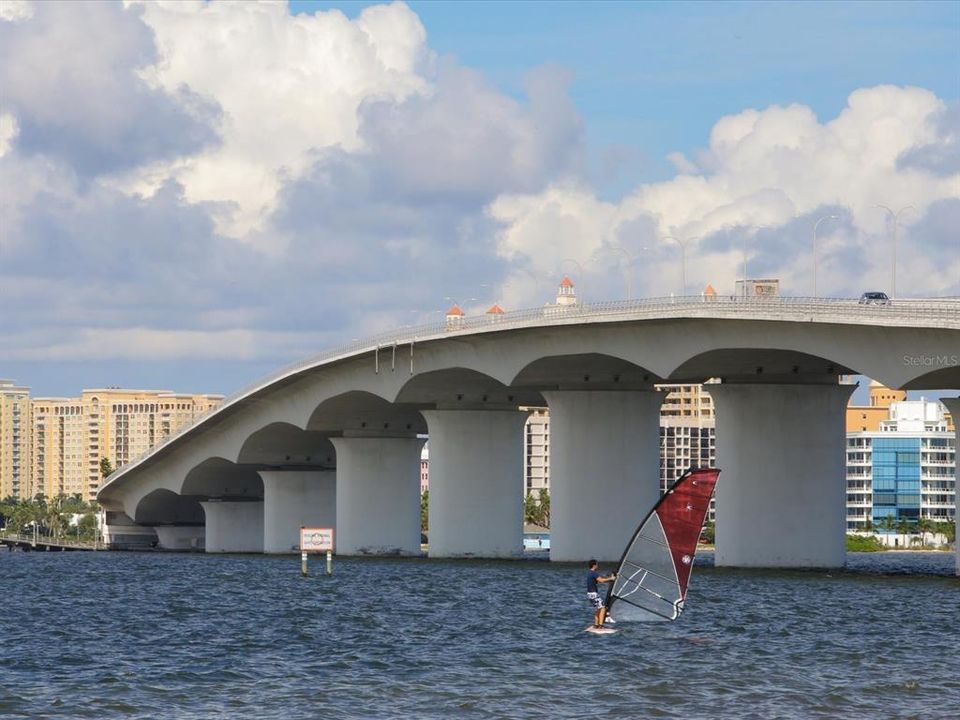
[{"x": 113, "y": 635}]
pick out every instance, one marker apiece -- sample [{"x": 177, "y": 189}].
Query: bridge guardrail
[{"x": 936, "y": 312}]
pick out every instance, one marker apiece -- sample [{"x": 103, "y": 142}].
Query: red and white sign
[{"x": 316, "y": 539}]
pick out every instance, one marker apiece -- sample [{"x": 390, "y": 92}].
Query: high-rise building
[
  {"x": 15, "y": 476},
  {"x": 536, "y": 451},
  {"x": 866, "y": 418},
  {"x": 903, "y": 470},
  {"x": 71, "y": 436},
  {"x": 688, "y": 433},
  {"x": 687, "y": 437}
]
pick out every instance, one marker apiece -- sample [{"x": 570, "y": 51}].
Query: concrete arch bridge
[{"x": 335, "y": 440}]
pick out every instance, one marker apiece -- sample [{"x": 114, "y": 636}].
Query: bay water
[{"x": 157, "y": 635}]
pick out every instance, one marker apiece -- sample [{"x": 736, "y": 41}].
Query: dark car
[{"x": 874, "y": 298}]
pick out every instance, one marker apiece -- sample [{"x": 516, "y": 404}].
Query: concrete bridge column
[
  {"x": 953, "y": 405},
  {"x": 781, "y": 495},
  {"x": 476, "y": 482},
  {"x": 180, "y": 537},
  {"x": 293, "y": 499},
  {"x": 378, "y": 495},
  {"x": 604, "y": 469},
  {"x": 234, "y": 526}
]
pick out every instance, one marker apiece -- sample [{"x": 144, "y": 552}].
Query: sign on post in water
[{"x": 316, "y": 540}]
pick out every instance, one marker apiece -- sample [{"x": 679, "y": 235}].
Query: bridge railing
[{"x": 938, "y": 313}]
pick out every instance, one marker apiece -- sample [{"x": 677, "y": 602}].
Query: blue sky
[
  {"x": 651, "y": 78},
  {"x": 216, "y": 190}
]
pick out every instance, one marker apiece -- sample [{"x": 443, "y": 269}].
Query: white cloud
[
  {"x": 15, "y": 10},
  {"x": 140, "y": 343},
  {"x": 286, "y": 85},
  {"x": 764, "y": 169},
  {"x": 8, "y": 131}
]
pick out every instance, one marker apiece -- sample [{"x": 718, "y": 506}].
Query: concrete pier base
[
  {"x": 781, "y": 493},
  {"x": 233, "y": 526},
  {"x": 378, "y": 495},
  {"x": 604, "y": 469},
  {"x": 476, "y": 483},
  {"x": 953, "y": 405},
  {"x": 293, "y": 499},
  {"x": 180, "y": 537}
]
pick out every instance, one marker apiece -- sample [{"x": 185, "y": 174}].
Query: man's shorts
[{"x": 595, "y": 600}]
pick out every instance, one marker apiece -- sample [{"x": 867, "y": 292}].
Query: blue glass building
[{"x": 896, "y": 479}]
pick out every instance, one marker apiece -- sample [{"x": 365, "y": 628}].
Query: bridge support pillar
[
  {"x": 179, "y": 537},
  {"x": 953, "y": 405},
  {"x": 293, "y": 499},
  {"x": 476, "y": 482},
  {"x": 604, "y": 469},
  {"x": 233, "y": 526},
  {"x": 781, "y": 495},
  {"x": 378, "y": 495}
]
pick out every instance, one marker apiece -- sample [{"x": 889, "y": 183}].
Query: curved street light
[
  {"x": 683, "y": 258},
  {"x": 896, "y": 222},
  {"x": 815, "y": 226},
  {"x": 630, "y": 259}
]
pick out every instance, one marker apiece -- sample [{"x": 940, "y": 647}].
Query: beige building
[
  {"x": 688, "y": 432},
  {"x": 71, "y": 436},
  {"x": 14, "y": 442},
  {"x": 536, "y": 451}
]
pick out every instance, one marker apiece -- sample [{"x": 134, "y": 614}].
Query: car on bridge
[{"x": 874, "y": 298}]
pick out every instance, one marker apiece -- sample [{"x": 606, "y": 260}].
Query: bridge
[{"x": 335, "y": 440}]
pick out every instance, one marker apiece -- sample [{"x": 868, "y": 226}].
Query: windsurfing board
[{"x": 599, "y": 630}]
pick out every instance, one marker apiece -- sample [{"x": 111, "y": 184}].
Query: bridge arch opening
[
  {"x": 362, "y": 412},
  {"x": 217, "y": 477},
  {"x": 463, "y": 387},
  {"x": 165, "y": 507},
  {"x": 282, "y": 444},
  {"x": 760, "y": 365},
  {"x": 584, "y": 371},
  {"x": 945, "y": 374}
]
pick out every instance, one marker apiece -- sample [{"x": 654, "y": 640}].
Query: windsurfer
[{"x": 593, "y": 594}]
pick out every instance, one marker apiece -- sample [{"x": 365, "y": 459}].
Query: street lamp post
[
  {"x": 630, "y": 260},
  {"x": 896, "y": 222},
  {"x": 683, "y": 259},
  {"x": 815, "y": 226}
]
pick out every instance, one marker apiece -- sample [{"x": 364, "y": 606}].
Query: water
[{"x": 117, "y": 635}]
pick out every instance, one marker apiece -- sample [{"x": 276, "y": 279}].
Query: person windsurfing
[{"x": 594, "y": 578}]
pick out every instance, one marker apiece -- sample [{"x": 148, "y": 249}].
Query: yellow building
[
  {"x": 14, "y": 442},
  {"x": 867, "y": 418},
  {"x": 692, "y": 402},
  {"x": 71, "y": 436}
]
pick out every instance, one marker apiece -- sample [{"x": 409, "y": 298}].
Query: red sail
[
  {"x": 654, "y": 572},
  {"x": 682, "y": 512}
]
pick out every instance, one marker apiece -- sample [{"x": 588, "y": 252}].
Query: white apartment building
[{"x": 904, "y": 470}]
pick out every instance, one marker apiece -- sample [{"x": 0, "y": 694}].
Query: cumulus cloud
[
  {"x": 86, "y": 343},
  {"x": 765, "y": 179},
  {"x": 227, "y": 180},
  {"x": 287, "y": 85},
  {"x": 87, "y": 103}
]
